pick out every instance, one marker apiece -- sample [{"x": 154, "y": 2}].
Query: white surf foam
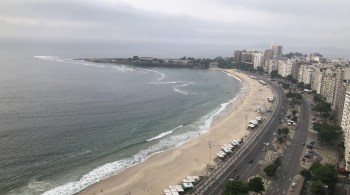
[
  {"x": 123, "y": 68},
  {"x": 113, "y": 168},
  {"x": 234, "y": 77},
  {"x": 162, "y": 75},
  {"x": 116, "y": 167},
  {"x": 209, "y": 119},
  {"x": 164, "y": 134},
  {"x": 176, "y": 88}
]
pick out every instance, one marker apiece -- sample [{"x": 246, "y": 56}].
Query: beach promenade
[{"x": 170, "y": 167}]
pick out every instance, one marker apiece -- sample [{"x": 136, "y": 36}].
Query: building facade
[
  {"x": 345, "y": 125},
  {"x": 277, "y": 50}
]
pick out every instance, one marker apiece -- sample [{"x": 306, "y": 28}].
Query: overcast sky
[{"x": 319, "y": 25}]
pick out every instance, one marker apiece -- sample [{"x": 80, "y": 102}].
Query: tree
[
  {"x": 322, "y": 107},
  {"x": 301, "y": 85},
  {"x": 260, "y": 70},
  {"x": 315, "y": 166},
  {"x": 279, "y": 131},
  {"x": 136, "y": 58},
  {"x": 285, "y": 131},
  {"x": 285, "y": 86},
  {"x": 317, "y": 188},
  {"x": 237, "y": 188},
  {"x": 256, "y": 185},
  {"x": 289, "y": 77},
  {"x": 317, "y": 98},
  {"x": 278, "y": 161},
  {"x": 244, "y": 66},
  {"x": 290, "y": 94},
  {"x": 326, "y": 173},
  {"x": 294, "y": 112},
  {"x": 274, "y": 74},
  {"x": 280, "y": 140},
  {"x": 306, "y": 174},
  {"x": 298, "y": 96},
  {"x": 183, "y": 58},
  {"x": 270, "y": 170},
  {"x": 326, "y": 132}
]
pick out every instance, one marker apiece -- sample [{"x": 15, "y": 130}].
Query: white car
[{"x": 274, "y": 133}]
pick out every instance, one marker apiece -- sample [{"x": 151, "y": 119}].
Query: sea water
[{"x": 66, "y": 124}]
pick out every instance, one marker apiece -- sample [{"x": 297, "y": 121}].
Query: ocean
[{"x": 66, "y": 124}]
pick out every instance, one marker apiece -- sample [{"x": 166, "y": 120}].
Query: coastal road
[
  {"x": 242, "y": 168},
  {"x": 291, "y": 161}
]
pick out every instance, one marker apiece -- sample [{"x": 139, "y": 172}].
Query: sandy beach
[{"x": 170, "y": 167}]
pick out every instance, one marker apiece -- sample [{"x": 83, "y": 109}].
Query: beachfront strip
[
  {"x": 229, "y": 154},
  {"x": 237, "y": 157}
]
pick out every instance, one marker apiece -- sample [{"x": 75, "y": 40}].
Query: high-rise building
[
  {"x": 237, "y": 56},
  {"x": 258, "y": 59},
  {"x": 268, "y": 54},
  {"x": 316, "y": 81},
  {"x": 271, "y": 64},
  {"x": 343, "y": 80},
  {"x": 295, "y": 70},
  {"x": 328, "y": 85},
  {"x": 345, "y": 125},
  {"x": 277, "y": 50},
  {"x": 304, "y": 74},
  {"x": 284, "y": 67}
]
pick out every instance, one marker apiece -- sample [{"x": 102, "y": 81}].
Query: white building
[
  {"x": 328, "y": 85},
  {"x": 258, "y": 60},
  {"x": 271, "y": 65},
  {"x": 285, "y": 67},
  {"x": 304, "y": 74},
  {"x": 345, "y": 125},
  {"x": 316, "y": 81}
]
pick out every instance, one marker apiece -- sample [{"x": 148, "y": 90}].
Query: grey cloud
[{"x": 296, "y": 24}]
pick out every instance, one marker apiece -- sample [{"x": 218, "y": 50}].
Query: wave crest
[{"x": 164, "y": 134}]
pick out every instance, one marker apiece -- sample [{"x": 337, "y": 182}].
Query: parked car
[
  {"x": 250, "y": 160},
  {"x": 309, "y": 151}
]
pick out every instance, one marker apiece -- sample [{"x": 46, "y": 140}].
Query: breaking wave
[{"x": 164, "y": 134}]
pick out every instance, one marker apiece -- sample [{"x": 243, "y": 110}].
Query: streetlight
[{"x": 231, "y": 180}]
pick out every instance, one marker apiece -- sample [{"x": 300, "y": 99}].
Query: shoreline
[{"x": 173, "y": 164}]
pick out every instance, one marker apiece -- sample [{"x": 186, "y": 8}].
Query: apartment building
[
  {"x": 258, "y": 59},
  {"x": 345, "y": 125},
  {"x": 284, "y": 67},
  {"x": 277, "y": 50}
]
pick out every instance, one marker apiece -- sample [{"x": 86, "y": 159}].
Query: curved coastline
[{"x": 190, "y": 158}]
